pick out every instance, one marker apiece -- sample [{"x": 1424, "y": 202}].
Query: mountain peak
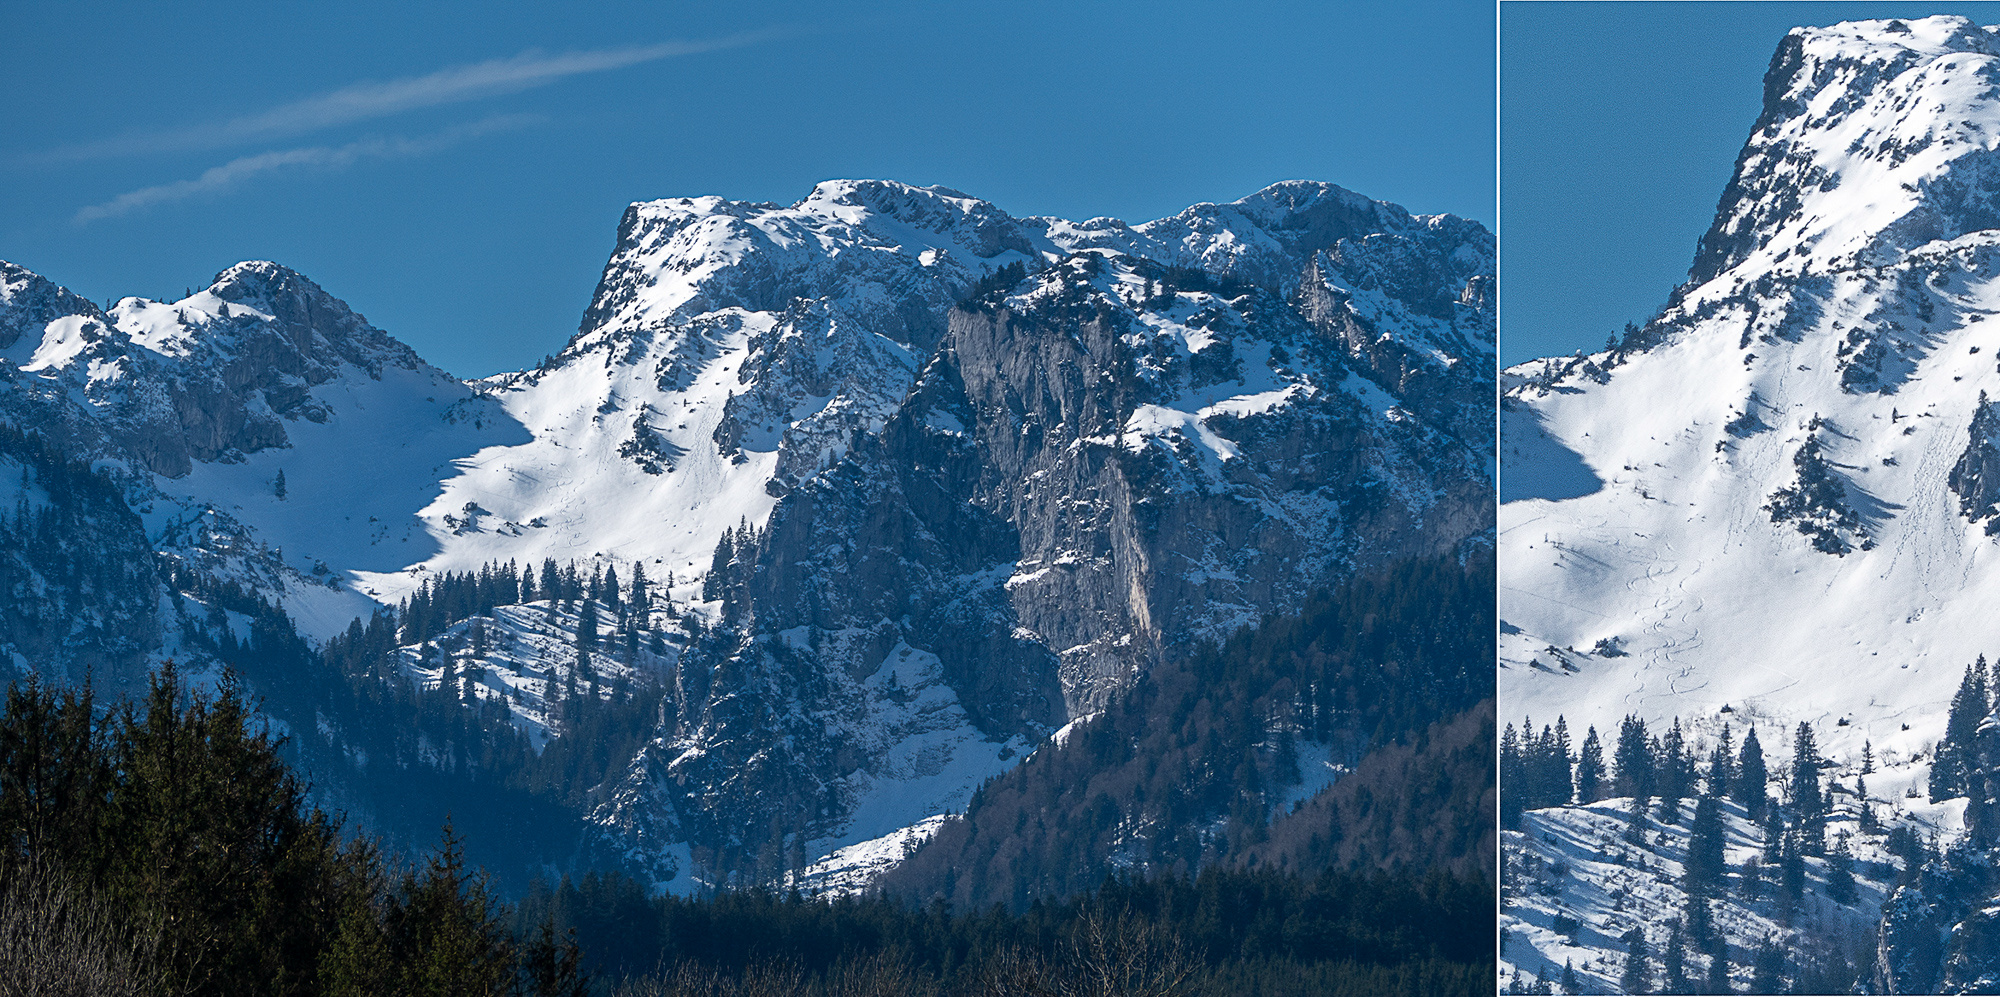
[
  {"x": 30, "y": 301},
  {"x": 1876, "y": 138}
]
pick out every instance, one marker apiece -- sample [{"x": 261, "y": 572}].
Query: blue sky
[
  {"x": 1619, "y": 123},
  {"x": 458, "y": 175}
]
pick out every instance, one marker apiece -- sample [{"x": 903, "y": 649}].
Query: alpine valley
[
  {"x": 1772, "y": 509},
  {"x": 829, "y": 515}
]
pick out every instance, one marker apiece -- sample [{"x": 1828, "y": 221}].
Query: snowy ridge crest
[{"x": 1876, "y": 138}]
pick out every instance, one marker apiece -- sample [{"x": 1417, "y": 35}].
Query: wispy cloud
[
  {"x": 236, "y": 171},
  {"x": 369, "y": 101}
]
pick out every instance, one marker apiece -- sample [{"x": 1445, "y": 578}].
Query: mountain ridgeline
[{"x": 828, "y": 514}]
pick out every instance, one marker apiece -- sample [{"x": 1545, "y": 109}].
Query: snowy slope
[
  {"x": 1773, "y": 501},
  {"x": 1640, "y": 482}
]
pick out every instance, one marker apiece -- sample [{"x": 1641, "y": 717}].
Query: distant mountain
[{"x": 828, "y": 513}]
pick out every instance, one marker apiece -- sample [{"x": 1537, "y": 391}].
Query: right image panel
[{"x": 1749, "y": 545}]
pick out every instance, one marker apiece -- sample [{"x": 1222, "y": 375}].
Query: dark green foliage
[
  {"x": 1288, "y": 934},
  {"x": 1808, "y": 803},
  {"x": 1748, "y": 787},
  {"x": 1722, "y": 764},
  {"x": 1638, "y": 975},
  {"x": 994, "y": 286},
  {"x": 1635, "y": 774},
  {"x": 1674, "y": 766},
  {"x": 1673, "y": 960},
  {"x": 1958, "y": 752},
  {"x": 1792, "y": 868},
  {"x": 1534, "y": 772},
  {"x": 69, "y": 540},
  {"x": 1705, "y": 862},
  {"x": 179, "y": 815},
  {"x": 1718, "y": 968},
  {"x": 1768, "y": 972},
  {"x": 1590, "y": 774},
  {"x": 1384, "y": 813},
  {"x": 1840, "y": 873},
  {"x": 1816, "y": 502},
  {"x": 1211, "y": 738}
]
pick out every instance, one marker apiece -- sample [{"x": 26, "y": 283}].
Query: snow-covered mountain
[
  {"x": 1772, "y": 504},
  {"x": 891, "y": 540}
]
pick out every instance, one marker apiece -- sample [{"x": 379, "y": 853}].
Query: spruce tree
[
  {"x": 1840, "y": 873},
  {"x": 445, "y": 931},
  {"x": 1675, "y": 767},
  {"x": 1513, "y": 776},
  {"x": 642, "y": 599},
  {"x": 1748, "y": 788},
  {"x": 1570, "y": 984},
  {"x": 1559, "y": 787},
  {"x": 586, "y": 627},
  {"x": 278, "y": 487},
  {"x": 1792, "y": 867},
  {"x": 1634, "y": 760},
  {"x": 1705, "y": 864},
  {"x": 1722, "y": 764},
  {"x": 1590, "y": 769},
  {"x": 1808, "y": 798},
  {"x": 1673, "y": 959},
  {"x": 1950, "y": 766},
  {"x": 1718, "y": 967},
  {"x": 1638, "y": 975},
  {"x": 1768, "y": 971}
]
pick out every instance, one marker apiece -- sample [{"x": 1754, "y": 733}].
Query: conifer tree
[
  {"x": 1748, "y": 788},
  {"x": 1718, "y": 967},
  {"x": 642, "y": 600},
  {"x": 445, "y": 931},
  {"x": 1673, "y": 959},
  {"x": 1808, "y": 799},
  {"x": 1840, "y": 873},
  {"x": 278, "y": 487},
  {"x": 586, "y": 628},
  {"x": 1558, "y": 788},
  {"x": 1768, "y": 971},
  {"x": 1705, "y": 863},
  {"x": 1634, "y": 760},
  {"x": 552, "y": 587},
  {"x": 1513, "y": 776},
  {"x": 1722, "y": 764},
  {"x": 1590, "y": 769},
  {"x": 1951, "y": 765},
  {"x": 1638, "y": 975},
  {"x": 1676, "y": 769},
  {"x": 1570, "y": 984},
  {"x": 1792, "y": 867}
]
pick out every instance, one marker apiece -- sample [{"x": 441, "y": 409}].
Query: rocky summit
[{"x": 827, "y": 514}]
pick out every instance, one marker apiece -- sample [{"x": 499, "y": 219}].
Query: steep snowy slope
[
  {"x": 1774, "y": 500},
  {"x": 1757, "y": 502}
]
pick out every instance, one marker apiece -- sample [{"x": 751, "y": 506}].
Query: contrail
[
  {"x": 238, "y": 170},
  {"x": 368, "y": 101}
]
